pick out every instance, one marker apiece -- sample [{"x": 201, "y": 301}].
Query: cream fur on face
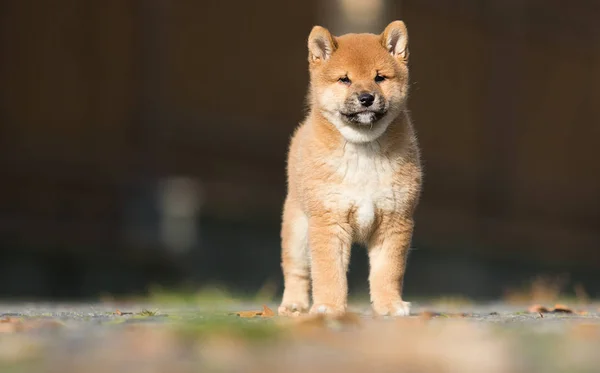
[
  {"x": 359, "y": 134},
  {"x": 353, "y": 132}
]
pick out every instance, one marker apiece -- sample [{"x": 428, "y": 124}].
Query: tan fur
[{"x": 351, "y": 178}]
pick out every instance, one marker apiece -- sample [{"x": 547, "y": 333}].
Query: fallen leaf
[
  {"x": 118, "y": 312},
  {"x": 536, "y": 308},
  {"x": 249, "y": 314},
  {"x": 581, "y": 313},
  {"x": 558, "y": 308},
  {"x": 561, "y": 308},
  {"x": 267, "y": 312}
]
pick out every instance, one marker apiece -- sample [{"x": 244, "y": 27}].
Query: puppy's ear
[
  {"x": 395, "y": 39},
  {"x": 321, "y": 45}
]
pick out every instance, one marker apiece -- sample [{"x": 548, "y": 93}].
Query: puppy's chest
[{"x": 363, "y": 185}]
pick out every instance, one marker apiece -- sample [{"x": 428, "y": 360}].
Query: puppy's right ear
[
  {"x": 395, "y": 40},
  {"x": 321, "y": 44}
]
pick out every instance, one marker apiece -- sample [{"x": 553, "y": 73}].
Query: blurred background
[{"x": 143, "y": 142}]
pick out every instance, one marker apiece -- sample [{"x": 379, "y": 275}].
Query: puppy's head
[{"x": 359, "y": 82}]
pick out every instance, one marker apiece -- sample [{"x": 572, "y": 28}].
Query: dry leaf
[
  {"x": 118, "y": 313},
  {"x": 558, "y": 308},
  {"x": 581, "y": 313},
  {"x": 561, "y": 308},
  {"x": 249, "y": 314},
  {"x": 267, "y": 312}
]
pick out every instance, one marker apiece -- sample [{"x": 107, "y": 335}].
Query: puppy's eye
[
  {"x": 344, "y": 80},
  {"x": 379, "y": 78}
]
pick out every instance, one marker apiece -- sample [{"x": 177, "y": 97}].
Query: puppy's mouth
[{"x": 364, "y": 117}]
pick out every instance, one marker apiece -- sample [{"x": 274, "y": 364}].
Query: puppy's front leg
[
  {"x": 388, "y": 251},
  {"x": 330, "y": 244}
]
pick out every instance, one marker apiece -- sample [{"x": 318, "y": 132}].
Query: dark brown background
[{"x": 101, "y": 100}]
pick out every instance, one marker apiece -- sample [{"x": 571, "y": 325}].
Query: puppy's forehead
[{"x": 363, "y": 53}]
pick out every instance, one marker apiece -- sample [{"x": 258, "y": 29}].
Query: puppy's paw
[
  {"x": 292, "y": 309},
  {"x": 398, "y": 309},
  {"x": 327, "y": 309}
]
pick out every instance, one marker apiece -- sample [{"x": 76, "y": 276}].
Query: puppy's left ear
[{"x": 395, "y": 39}]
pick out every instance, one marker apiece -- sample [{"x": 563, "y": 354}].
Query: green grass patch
[
  {"x": 147, "y": 313},
  {"x": 207, "y": 325}
]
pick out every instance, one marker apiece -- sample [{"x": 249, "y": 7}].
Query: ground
[{"x": 207, "y": 335}]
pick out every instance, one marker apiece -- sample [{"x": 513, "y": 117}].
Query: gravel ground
[{"x": 155, "y": 337}]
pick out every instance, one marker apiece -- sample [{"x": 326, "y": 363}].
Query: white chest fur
[{"x": 367, "y": 184}]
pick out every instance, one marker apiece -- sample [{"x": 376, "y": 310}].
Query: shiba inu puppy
[{"x": 354, "y": 173}]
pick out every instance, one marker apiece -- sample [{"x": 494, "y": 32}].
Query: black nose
[{"x": 366, "y": 99}]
